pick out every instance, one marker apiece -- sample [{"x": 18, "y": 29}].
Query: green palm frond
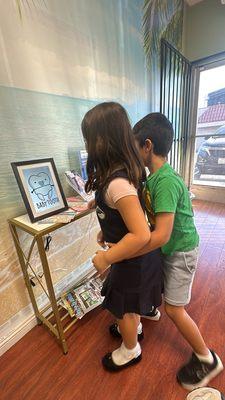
[
  {"x": 161, "y": 18},
  {"x": 173, "y": 31},
  {"x": 18, "y": 3}
]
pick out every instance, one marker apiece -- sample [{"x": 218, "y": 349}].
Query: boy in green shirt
[{"x": 170, "y": 214}]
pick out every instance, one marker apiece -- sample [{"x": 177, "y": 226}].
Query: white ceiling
[{"x": 192, "y": 2}]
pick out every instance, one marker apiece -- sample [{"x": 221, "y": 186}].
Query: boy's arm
[
  {"x": 138, "y": 234},
  {"x": 166, "y": 197},
  {"x": 160, "y": 236}
]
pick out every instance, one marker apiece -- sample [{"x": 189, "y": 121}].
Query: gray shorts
[{"x": 179, "y": 271}]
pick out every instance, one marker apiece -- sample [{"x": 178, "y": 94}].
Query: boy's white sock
[
  {"x": 139, "y": 329},
  {"x": 207, "y": 359},
  {"x": 122, "y": 355}
]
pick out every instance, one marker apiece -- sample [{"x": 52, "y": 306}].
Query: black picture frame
[{"x": 38, "y": 181}]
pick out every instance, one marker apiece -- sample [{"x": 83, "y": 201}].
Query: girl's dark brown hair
[{"x": 110, "y": 145}]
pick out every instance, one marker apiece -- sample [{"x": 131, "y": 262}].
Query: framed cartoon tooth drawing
[{"x": 40, "y": 188}]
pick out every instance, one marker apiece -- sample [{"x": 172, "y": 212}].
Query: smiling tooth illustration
[{"x": 41, "y": 186}]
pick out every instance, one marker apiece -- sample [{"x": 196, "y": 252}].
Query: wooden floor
[{"x": 35, "y": 368}]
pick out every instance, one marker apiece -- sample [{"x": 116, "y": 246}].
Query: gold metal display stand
[{"x": 53, "y": 316}]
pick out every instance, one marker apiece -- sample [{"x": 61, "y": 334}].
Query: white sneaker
[{"x": 153, "y": 315}]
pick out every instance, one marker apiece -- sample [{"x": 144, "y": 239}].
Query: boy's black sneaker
[
  {"x": 113, "y": 329},
  {"x": 196, "y": 374}
]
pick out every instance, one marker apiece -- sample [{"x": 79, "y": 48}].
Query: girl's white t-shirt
[{"x": 117, "y": 189}]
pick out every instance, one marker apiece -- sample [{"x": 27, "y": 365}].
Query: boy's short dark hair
[{"x": 158, "y": 129}]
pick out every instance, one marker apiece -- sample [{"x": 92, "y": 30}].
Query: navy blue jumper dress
[{"x": 134, "y": 285}]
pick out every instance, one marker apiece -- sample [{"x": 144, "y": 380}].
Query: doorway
[
  {"x": 192, "y": 96},
  {"x": 207, "y": 122}
]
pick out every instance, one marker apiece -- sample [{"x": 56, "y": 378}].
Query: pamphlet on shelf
[
  {"x": 77, "y": 204},
  {"x": 63, "y": 218},
  {"x": 78, "y": 184},
  {"x": 83, "y": 298},
  {"x": 83, "y": 155}
]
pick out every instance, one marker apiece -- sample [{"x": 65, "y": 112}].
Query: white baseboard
[{"x": 17, "y": 334}]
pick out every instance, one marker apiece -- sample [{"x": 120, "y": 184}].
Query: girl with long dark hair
[{"x": 115, "y": 173}]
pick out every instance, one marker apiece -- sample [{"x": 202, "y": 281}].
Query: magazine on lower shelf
[{"x": 83, "y": 298}]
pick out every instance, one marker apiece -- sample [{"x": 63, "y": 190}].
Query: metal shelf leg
[
  {"x": 25, "y": 273},
  {"x": 51, "y": 292}
]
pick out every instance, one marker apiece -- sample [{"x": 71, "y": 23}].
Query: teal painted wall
[{"x": 60, "y": 60}]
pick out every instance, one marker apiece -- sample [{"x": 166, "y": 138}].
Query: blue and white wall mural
[{"x": 59, "y": 59}]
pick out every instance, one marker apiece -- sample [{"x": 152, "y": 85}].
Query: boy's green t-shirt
[{"x": 165, "y": 191}]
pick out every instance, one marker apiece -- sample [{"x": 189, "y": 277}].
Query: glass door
[{"x": 209, "y": 153}]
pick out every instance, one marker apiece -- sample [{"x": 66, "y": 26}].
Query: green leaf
[
  {"x": 161, "y": 18},
  {"x": 23, "y": 4}
]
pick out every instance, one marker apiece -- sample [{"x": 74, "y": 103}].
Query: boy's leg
[
  {"x": 179, "y": 271},
  {"x": 188, "y": 328},
  {"x": 204, "y": 364},
  {"x": 129, "y": 352}
]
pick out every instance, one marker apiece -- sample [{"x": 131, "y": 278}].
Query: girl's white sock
[
  {"x": 122, "y": 355},
  {"x": 207, "y": 359}
]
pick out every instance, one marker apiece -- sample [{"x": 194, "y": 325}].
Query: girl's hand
[
  {"x": 100, "y": 239},
  {"x": 100, "y": 261}
]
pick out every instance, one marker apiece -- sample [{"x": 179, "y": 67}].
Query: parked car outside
[{"x": 211, "y": 155}]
